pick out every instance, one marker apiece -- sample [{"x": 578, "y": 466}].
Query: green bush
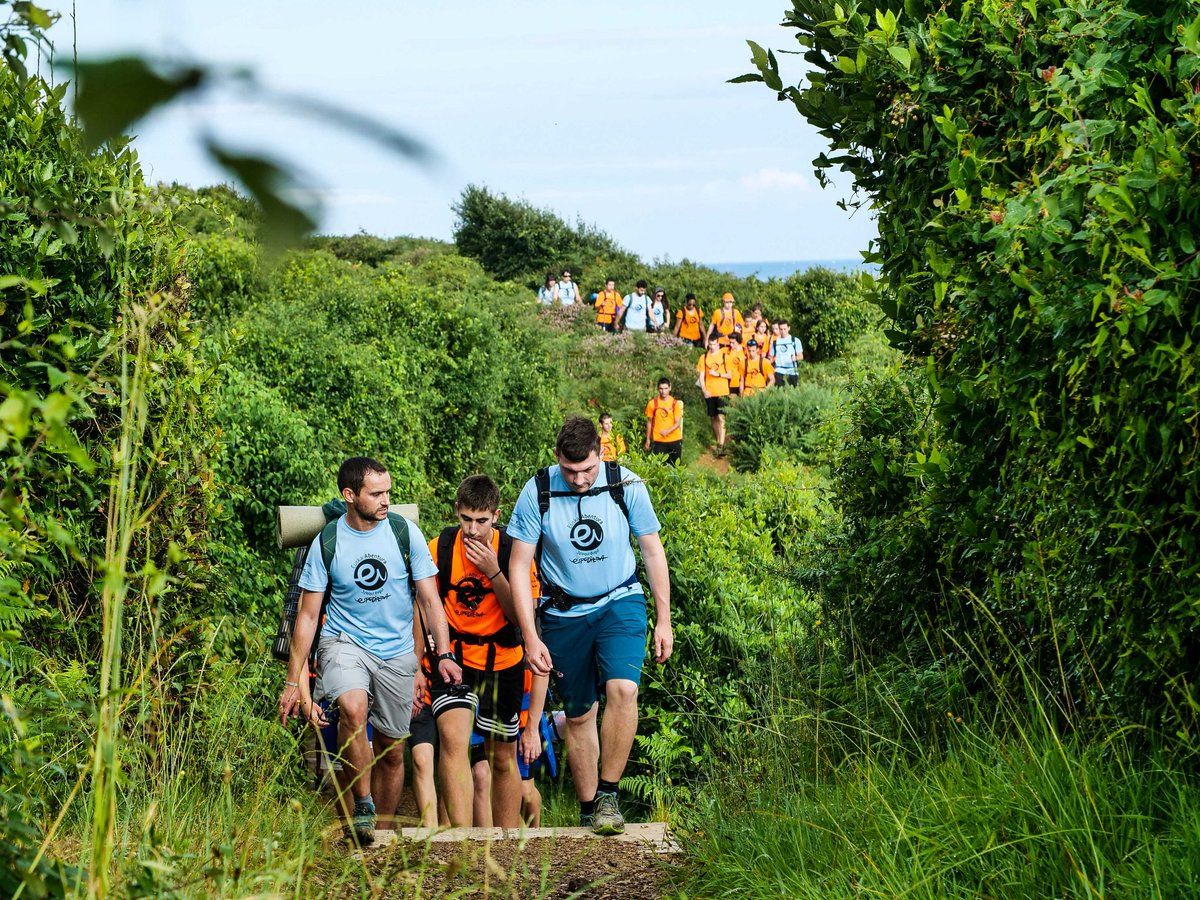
[
  {"x": 827, "y": 309},
  {"x": 516, "y": 241},
  {"x": 1040, "y": 269},
  {"x": 782, "y": 417},
  {"x": 226, "y": 274},
  {"x": 375, "y": 251}
]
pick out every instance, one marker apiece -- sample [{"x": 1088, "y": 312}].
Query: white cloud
[{"x": 775, "y": 180}]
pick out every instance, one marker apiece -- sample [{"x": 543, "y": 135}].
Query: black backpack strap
[
  {"x": 616, "y": 486},
  {"x": 505, "y": 552},
  {"x": 445, "y": 558},
  {"x": 541, "y": 481}
]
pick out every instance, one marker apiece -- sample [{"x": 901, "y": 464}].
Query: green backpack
[{"x": 333, "y": 510}]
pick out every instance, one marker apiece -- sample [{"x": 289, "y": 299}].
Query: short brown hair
[
  {"x": 577, "y": 439},
  {"x": 478, "y": 492},
  {"x": 352, "y": 472}
]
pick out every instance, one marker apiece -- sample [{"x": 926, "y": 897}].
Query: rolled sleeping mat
[{"x": 298, "y": 525}]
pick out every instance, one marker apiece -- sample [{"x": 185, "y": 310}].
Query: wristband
[
  {"x": 447, "y": 655},
  {"x": 499, "y": 572},
  {"x": 291, "y": 684}
]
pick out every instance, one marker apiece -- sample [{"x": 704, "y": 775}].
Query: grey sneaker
[
  {"x": 363, "y": 824},
  {"x": 608, "y": 818}
]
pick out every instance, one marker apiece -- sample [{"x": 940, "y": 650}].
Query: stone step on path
[{"x": 649, "y": 837}]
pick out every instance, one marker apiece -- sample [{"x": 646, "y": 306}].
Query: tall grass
[{"x": 847, "y": 787}]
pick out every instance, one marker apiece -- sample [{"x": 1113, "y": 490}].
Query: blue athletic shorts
[{"x": 589, "y": 650}]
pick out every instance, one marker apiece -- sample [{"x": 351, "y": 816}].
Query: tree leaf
[
  {"x": 115, "y": 93},
  {"x": 284, "y": 222},
  {"x": 902, "y": 55}
]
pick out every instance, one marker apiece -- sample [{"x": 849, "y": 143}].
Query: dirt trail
[
  {"x": 590, "y": 869},
  {"x": 706, "y": 460}
]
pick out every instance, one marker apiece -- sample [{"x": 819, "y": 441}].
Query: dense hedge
[
  {"x": 1032, "y": 173},
  {"x": 828, "y": 309}
]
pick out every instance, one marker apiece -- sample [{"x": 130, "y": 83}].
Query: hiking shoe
[
  {"x": 363, "y": 824},
  {"x": 586, "y": 820},
  {"x": 608, "y": 818}
]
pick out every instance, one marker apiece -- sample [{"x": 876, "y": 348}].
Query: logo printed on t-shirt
[
  {"x": 469, "y": 593},
  {"x": 370, "y": 573},
  {"x": 586, "y": 534}
]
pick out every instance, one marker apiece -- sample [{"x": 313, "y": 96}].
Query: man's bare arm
[
  {"x": 536, "y": 654},
  {"x": 659, "y": 577}
]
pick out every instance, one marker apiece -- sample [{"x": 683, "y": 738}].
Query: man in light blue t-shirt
[
  {"x": 593, "y": 613},
  {"x": 637, "y": 311},
  {"x": 789, "y": 353},
  {"x": 365, "y": 655}
]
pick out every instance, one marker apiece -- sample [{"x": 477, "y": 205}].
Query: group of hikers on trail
[
  {"x": 743, "y": 355},
  {"x": 438, "y": 642}
]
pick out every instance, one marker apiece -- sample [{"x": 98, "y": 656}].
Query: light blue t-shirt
[
  {"x": 636, "y": 310},
  {"x": 586, "y": 551},
  {"x": 786, "y": 350},
  {"x": 370, "y": 602},
  {"x": 568, "y": 293}
]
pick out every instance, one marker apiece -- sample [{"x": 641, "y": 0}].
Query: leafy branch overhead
[{"x": 114, "y": 95}]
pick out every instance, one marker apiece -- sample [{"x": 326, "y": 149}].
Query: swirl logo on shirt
[
  {"x": 586, "y": 534},
  {"x": 470, "y": 592},
  {"x": 370, "y": 573}
]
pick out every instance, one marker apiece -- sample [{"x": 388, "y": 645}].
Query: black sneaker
[{"x": 586, "y": 820}]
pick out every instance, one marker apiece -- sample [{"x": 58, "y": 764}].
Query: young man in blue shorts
[{"x": 578, "y": 517}]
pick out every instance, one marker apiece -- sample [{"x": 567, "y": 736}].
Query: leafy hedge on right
[{"x": 1032, "y": 168}]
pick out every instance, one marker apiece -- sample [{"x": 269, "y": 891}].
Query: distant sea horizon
[{"x": 785, "y": 267}]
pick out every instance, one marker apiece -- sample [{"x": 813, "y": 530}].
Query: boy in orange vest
[{"x": 472, "y": 560}]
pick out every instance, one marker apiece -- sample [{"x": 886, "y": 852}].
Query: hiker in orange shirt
[
  {"x": 714, "y": 377},
  {"x": 725, "y": 321},
  {"x": 736, "y": 358},
  {"x": 688, "y": 322},
  {"x": 664, "y": 424},
  {"x": 760, "y": 374},
  {"x": 608, "y": 301},
  {"x": 762, "y": 334},
  {"x": 612, "y": 445},
  {"x": 472, "y": 561}
]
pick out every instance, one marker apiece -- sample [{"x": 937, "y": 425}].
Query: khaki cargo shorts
[{"x": 343, "y": 666}]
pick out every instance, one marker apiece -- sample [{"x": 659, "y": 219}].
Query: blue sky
[{"x": 614, "y": 112}]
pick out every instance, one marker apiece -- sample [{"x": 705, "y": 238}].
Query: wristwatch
[{"x": 447, "y": 655}]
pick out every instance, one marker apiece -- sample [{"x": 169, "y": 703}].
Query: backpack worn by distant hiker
[
  {"x": 556, "y": 597},
  {"x": 333, "y": 510},
  {"x": 510, "y": 635}
]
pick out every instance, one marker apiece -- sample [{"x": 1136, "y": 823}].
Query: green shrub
[
  {"x": 781, "y": 417},
  {"x": 226, "y": 274},
  {"x": 374, "y": 251},
  {"x": 515, "y": 240},
  {"x": 827, "y": 309},
  {"x": 1040, "y": 269}
]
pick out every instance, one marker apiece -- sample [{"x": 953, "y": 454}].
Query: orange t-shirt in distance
[
  {"x": 758, "y": 371},
  {"x": 736, "y": 360},
  {"x": 689, "y": 323},
  {"x": 612, "y": 446},
  {"x": 666, "y": 418},
  {"x": 727, "y": 324},
  {"x": 713, "y": 368},
  {"x": 469, "y": 584},
  {"x": 606, "y": 307}
]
